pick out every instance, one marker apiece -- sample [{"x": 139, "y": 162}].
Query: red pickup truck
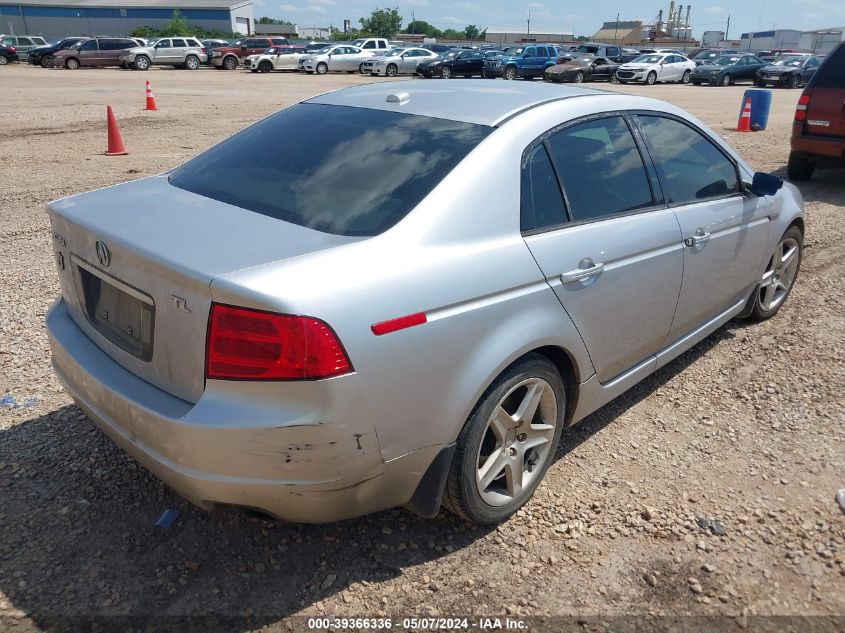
[{"x": 229, "y": 57}]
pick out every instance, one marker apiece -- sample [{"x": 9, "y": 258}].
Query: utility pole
[
  {"x": 728, "y": 28},
  {"x": 413, "y": 24},
  {"x": 616, "y": 32},
  {"x": 528, "y": 35}
]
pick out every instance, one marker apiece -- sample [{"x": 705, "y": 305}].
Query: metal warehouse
[{"x": 61, "y": 18}]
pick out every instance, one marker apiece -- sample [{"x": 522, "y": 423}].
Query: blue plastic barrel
[{"x": 761, "y": 103}]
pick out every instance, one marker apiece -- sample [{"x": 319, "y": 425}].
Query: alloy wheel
[
  {"x": 3, "y": 60},
  {"x": 446, "y": 72},
  {"x": 519, "y": 435},
  {"x": 780, "y": 274}
]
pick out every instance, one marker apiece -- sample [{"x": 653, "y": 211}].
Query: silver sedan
[
  {"x": 401, "y": 62},
  {"x": 335, "y": 59},
  {"x": 403, "y": 294}
]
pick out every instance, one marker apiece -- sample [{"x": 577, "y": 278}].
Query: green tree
[
  {"x": 452, "y": 34},
  {"x": 177, "y": 26},
  {"x": 582, "y": 38},
  {"x": 268, "y": 20},
  {"x": 472, "y": 32},
  {"x": 143, "y": 31},
  {"x": 421, "y": 27},
  {"x": 337, "y": 35},
  {"x": 382, "y": 23}
]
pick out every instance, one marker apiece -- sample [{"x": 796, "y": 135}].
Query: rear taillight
[
  {"x": 203, "y": 49},
  {"x": 801, "y": 108},
  {"x": 245, "y": 344},
  {"x": 561, "y": 60},
  {"x": 12, "y": 49}
]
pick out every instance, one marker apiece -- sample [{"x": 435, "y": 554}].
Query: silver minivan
[{"x": 23, "y": 43}]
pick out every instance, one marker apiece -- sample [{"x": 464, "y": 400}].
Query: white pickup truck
[{"x": 372, "y": 43}]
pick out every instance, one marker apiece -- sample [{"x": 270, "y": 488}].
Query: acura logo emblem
[{"x": 103, "y": 255}]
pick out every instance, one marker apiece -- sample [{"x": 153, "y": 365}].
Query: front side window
[
  {"x": 340, "y": 170},
  {"x": 542, "y": 202},
  {"x": 601, "y": 169},
  {"x": 163, "y": 44},
  {"x": 691, "y": 167}
]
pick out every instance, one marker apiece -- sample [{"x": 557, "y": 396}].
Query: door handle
[
  {"x": 699, "y": 239},
  {"x": 586, "y": 269}
]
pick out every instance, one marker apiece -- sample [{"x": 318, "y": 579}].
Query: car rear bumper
[
  {"x": 237, "y": 445},
  {"x": 831, "y": 147}
]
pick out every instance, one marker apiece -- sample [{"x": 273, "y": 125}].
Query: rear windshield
[
  {"x": 340, "y": 170},
  {"x": 832, "y": 71}
]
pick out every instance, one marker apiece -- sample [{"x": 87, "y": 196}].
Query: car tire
[
  {"x": 391, "y": 70},
  {"x": 725, "y": 81},
  {"x": 322, "y": 68},
  {"x": 685, "y": 77},
  {"x": 794, "y": 82},
  {"x": 3, "y": 60},
  {"x": 779, "y": 277},
  {"x": 141, "y": 63},
  {"x": 696, "y": 82},
  {"x": 614, "y": 79},
  {"x": 445, "y": 73},
  {"x": 500, "y": 459},
  {"x": 230, "y": 63},
  {"x": 192, "y": 62},
  {"x": 579, "y": 77},
  {"x": 799, "y": 168},
  {"x": 509, "y": 73},
  {"x": 265, "y": 66},
  {"x": 46, "y": 61},
  {"x": 71, "y": 63},
  {"x": 651, "y": 78},
  {"x": 759, "y": 83}
]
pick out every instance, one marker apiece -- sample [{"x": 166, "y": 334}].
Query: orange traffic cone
[
  {"x": 744, "y": 124},
  {"x": 151, "y": 100},
  {"x": 116, "y": 147}
]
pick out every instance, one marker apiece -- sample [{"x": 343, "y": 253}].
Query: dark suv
[
  {"x": 228, "y": 57},
  {"x": 818, "y": 132},
  {"x": 527, "y": 62},
  {"x": 43, "y": 55}
]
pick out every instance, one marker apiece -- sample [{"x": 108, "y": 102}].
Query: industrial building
[
  {"x": 621, "y": 33},
  {"x": 501, "y": 38},
  {"x": 770, "y": 40},
  {"x": 55, "y": 19}
]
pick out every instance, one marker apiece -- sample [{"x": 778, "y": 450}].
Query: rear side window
[
  {"x": 179, "y": 44},
  {"x": 692, "y": 168},
  {"x": 832, "y": 71},
  {"x": 90, "y": 45},
  {"x": 340, "y": 170},
  {"x": 542, "y": 202},
  {"x": 601, "y": 169}
]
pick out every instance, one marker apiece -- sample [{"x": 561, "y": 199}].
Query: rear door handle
[
  {"x": 586, "y": 269},
  {"x": 700, "y": 238}
]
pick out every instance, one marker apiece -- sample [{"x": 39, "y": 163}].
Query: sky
[{"x": 582, "y": 18}]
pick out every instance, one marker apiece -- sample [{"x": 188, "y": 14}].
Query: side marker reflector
[{"x": 386, "y": 327}]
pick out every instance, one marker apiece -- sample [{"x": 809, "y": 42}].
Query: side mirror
[{"x": 764, "y": 184}]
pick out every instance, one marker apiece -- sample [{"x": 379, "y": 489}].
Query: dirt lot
[{"x": 746, "y": 429}]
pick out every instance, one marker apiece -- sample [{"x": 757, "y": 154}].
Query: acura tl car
[{"x": 319, "y": 332}]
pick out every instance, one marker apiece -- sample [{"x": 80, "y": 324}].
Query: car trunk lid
[
  {"x": 826, "y": 110},
  {"x": 136, "y": 261}
]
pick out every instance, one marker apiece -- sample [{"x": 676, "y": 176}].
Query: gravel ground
[{"x": 745, "y": 429}]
